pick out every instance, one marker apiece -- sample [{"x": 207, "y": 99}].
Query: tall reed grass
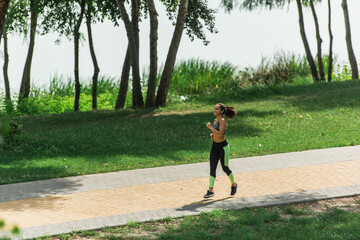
[
  {"x": 281, "y": 68},
  {"x": 58, "y": 97},
  {"x": 64, "y": 86},
  {"x": 197, "y": 76}
]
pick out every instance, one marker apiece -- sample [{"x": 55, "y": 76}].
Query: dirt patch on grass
[{"x": 348, "y": 203}]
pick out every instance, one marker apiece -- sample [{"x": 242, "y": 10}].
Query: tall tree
[
  {"x": 16, "y": 22},
  {"x": 76, "y": 52},
  {"x": 309, "y": 56},
  {"x": 5, "y": 68},
  {"x": 65, "y": 17},
  {"x": 330, "y": 63},
  {"x": 97, "y": 11},
  {"x": 132, "y": 32},
  {"x": 93, "y": 55},
  {"x": 150, "y": 99},
  {"x": 171, "y": 56},
  {"x": 8, "y": 103},
  {"x": 196, "y": 16},
  {"x": 109, "y": 10},
  {"x": 351, "y": 55},
  {"x": 319, "y": 42},
  {"x": 25, "y": 81}
]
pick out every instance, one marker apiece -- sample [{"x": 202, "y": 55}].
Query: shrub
[{"x": 8, "y": 130}]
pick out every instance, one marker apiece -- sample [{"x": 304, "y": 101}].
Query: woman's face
[{"x": 217, "y": 110}]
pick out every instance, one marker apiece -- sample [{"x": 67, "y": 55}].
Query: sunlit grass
[
  {"x": 274, "y": 119},
  {"x": 275, "y": 223}
]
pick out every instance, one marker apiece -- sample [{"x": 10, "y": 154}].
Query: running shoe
[
  {"x": 209, "y": 194},
  {"x": 233, "y": 190}
]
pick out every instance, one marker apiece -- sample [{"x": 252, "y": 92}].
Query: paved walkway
[{"x": 88, "y": 202}]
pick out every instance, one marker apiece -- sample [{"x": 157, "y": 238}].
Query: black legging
[{"x": 217, "y": 152}]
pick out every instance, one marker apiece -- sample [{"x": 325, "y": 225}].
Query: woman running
[{"x": 220, "y": 148}]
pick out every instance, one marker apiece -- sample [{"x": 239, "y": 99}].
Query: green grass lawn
[
  {"x": 273, "y": 119},
  {"x": 295, "y": 222}
]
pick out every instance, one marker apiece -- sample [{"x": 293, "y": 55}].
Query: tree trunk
[
  {"x": 94, "y": 60},
  {"x": 136, "y": 85},
  {"x": 4, "y": 5},
  {"x": 8, "y": 102},
  {"x": 319, "y": 41},
  {"x": 120, "y": 101},
  {"x": 330, "y": 45},
  {"x": 352, "y": 58},
  {"x": 150, "y": 98},
  {"x": 76, "y": 62},
  {"x": 309, "y": 57},
  {"x": 133, "y": 37},
  {"x": 171, "y": 56},
  {"x": 26, "y": 77},
  {"x": 5, "y": 68}
]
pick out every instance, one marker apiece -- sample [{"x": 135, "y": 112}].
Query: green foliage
[
  {"x": 202, "y": 77},
  {"x": 198, "y": 16},
  {"x": 196, "y": 76},
  {"x": 59, "y": 97},
  {"x": 61, "y": 16},
  {"x": 17, "y": 17},
  {"x": 15, "y": 230},
  {"x": 133, "y": 224},
  {"x": 282, "y": 68},
  {"x": 58, "y": 87},
  {"x": 108, "y": 10},
  {"x": 89, "y": 234},
  {"x": 65, "y": 236},
  {"x": 8, "y": 130},
  {"x": 57, "y": 104},
  {"x": 342, "y": 73},
  {"x": 4, "y": 131},
  {"x": 259, "y": 4}
]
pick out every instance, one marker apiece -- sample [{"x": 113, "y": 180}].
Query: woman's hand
[
  {"x": 211, "y": 135},
  {"x": 208, "y": 125}
]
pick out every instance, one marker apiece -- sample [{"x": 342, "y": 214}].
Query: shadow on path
[
  {"x": 201, "y": 204},
  {"x": 38, "y": 194}
]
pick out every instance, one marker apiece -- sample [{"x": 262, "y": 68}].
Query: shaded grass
[
  {"x": 250, "y": 223},
  {"x": 273, "y": 119}
]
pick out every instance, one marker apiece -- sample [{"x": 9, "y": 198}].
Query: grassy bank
[{"x": 272, "y": 119}]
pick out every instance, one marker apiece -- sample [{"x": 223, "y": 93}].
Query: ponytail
[{"x": 230, "y": 112}]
